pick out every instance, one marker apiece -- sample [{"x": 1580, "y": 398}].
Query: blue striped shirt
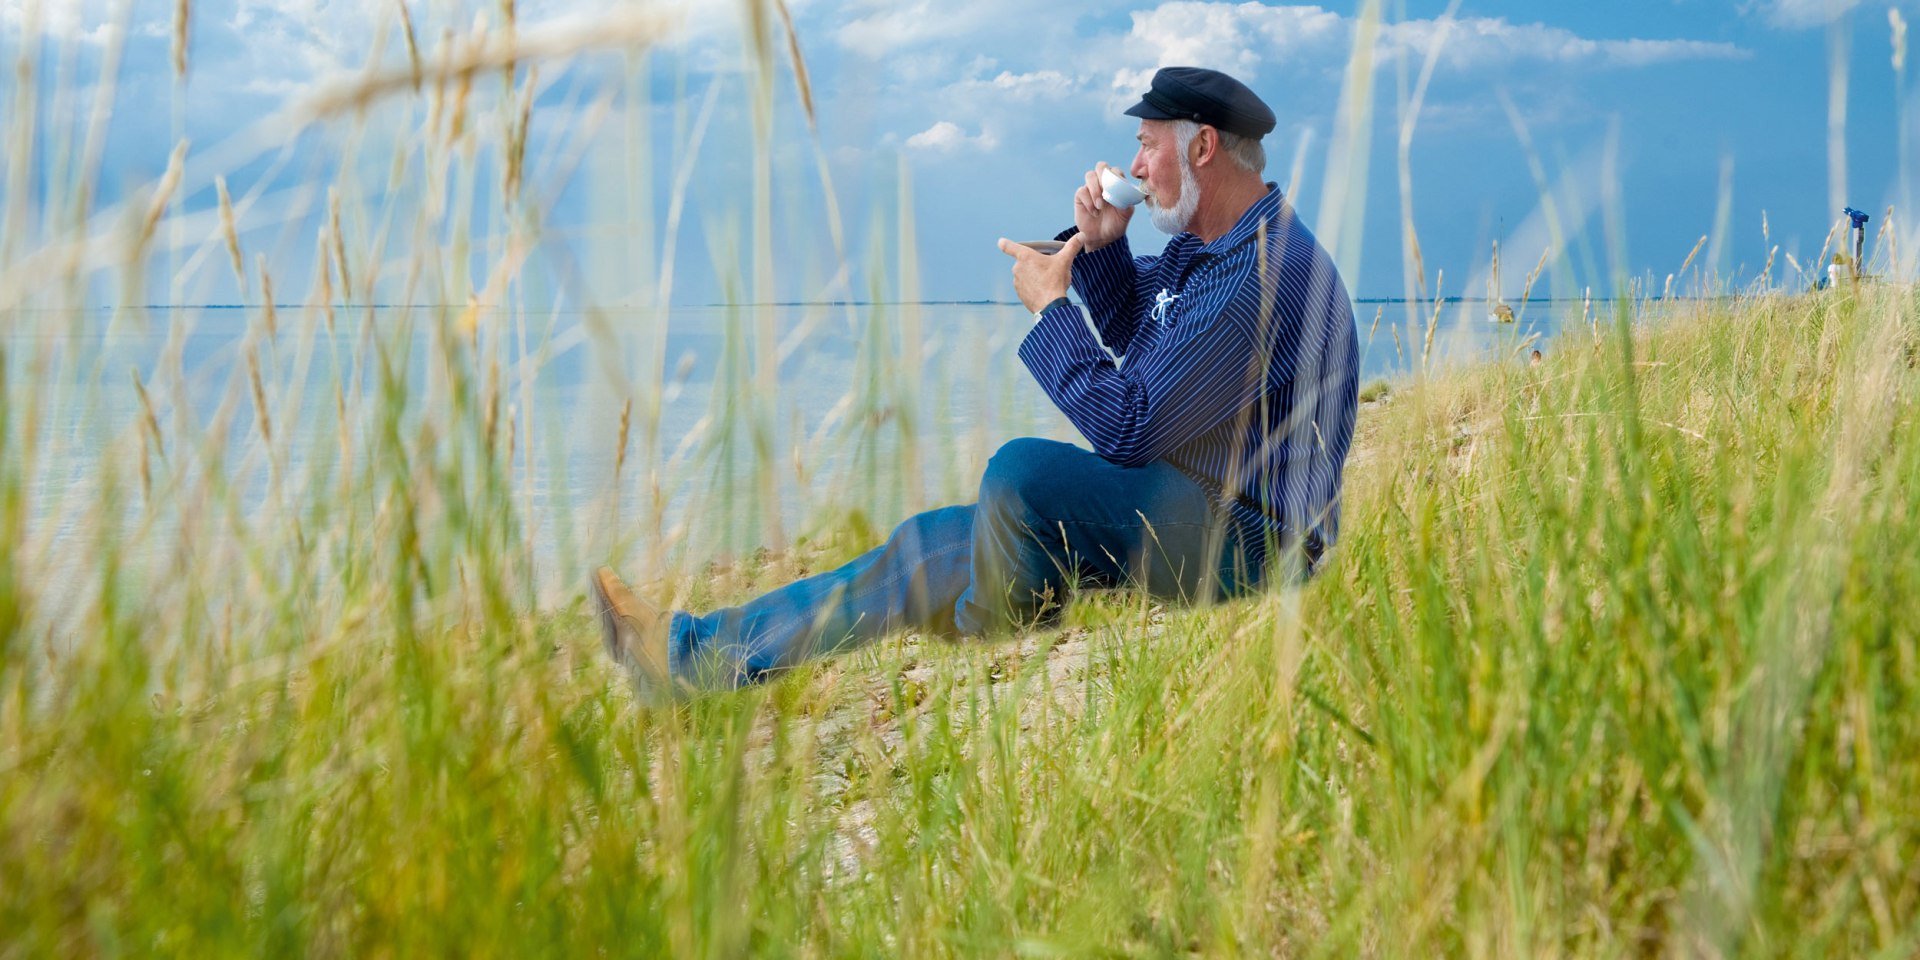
[{"x": 1234, "y": 361}]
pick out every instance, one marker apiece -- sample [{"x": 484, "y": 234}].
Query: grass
[{"x": 1617, "y": 655}]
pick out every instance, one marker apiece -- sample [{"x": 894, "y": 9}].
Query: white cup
[{"x": 1116, "y": 189}]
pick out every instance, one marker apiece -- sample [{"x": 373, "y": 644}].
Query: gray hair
[{"x": 1247, "y": 153}]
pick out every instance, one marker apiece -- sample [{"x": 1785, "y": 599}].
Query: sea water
[{"x": 851, "y": 405}]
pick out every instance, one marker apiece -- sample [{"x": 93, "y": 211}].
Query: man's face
[
  {"x": 1158, "y": 162},
  {"x": 1167, "y": 170}
]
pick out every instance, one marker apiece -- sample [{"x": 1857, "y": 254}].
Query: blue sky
[{"x": 1719, "y": 112}]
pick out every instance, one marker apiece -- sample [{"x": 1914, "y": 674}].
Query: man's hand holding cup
[{"x": 1100, "y": 221}]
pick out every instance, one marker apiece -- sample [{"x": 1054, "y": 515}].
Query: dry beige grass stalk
[
  {"x": 182, "y": 15},
  {"x": 413, "y": 44},
  {"x": 339, "y": 243},
  {"x": 267, "y": 314},
  {"x": 1684, "y": 264},
  {"x": 620, "y": 452},
  {"x": 491, "y": 403},
  {"x": 345, "y": 435},
  {"x": 146, "y": 474},
  {"x": 1526, "y": 292},
  {"x": 1433, "y": 322},
  {"x": 259, "y": 389},
  {"x": 148, "y": 419},
  {"x": 516, "y": 151},
  {"x": 232, "y": 232},
  {"x": 162, "y": 196},
  {"x": 325, "y": 280},
  {"x": 624, "y": 30},
  {"x": 800, "y": 77}
]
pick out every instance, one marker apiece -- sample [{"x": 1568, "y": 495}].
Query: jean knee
[
  {"x": 931, "y": 530},
  {"x": 1018, "y": 472}
]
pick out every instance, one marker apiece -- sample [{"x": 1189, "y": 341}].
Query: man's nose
[{"x": 1138, "y": 170}]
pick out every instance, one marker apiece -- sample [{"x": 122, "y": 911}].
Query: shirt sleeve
[
  {"x": 1108, "y": 281},
  {"x": 1208, "y": 368}
]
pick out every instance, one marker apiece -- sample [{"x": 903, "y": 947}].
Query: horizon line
[{"x": 846, "y": 303}]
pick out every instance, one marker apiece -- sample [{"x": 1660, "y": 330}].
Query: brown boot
[{"x": 635, "y": 632}]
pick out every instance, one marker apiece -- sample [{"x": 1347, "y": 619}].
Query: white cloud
[
  {"x": 1795, "y": 14},
  {"x": 87, "y": 21},
  {"x": 1898, "y": 24},
  {"x": 1022, "y": 87},
  {"x": 947, "y": 137},
  {"x": 1241, "y": 38},
  {"x": 896, "y": 26},
  {"x": 1236, "y": 38},
  {"x": 1109, "y": 70},
  {"x": 1245, "y": 38},
  {"x": 283, "y": 45},
  {"x": 1802, "y": 14},
  {"x": 1483, "y": 41},
  {"x": 880, "y": 29}
]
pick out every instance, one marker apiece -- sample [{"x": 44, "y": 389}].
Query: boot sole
[{"x": 609, "y": 620}]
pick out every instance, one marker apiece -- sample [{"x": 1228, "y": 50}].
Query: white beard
[{"x": 1174, "y": 219}]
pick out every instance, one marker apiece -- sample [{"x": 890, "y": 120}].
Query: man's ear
[{"x": 1205, "y": 146}]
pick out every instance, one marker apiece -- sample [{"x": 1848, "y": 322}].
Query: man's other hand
[
  {"x": 1041, "y": 278},
  {"x": 1099, "y": 221}
]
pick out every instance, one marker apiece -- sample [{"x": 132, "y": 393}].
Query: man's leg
[
  {"x": 909, "y": 582},
  {"x": 1052, "y": 516}
]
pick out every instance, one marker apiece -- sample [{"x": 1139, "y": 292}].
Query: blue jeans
[{"x": 1050, "y": 517}]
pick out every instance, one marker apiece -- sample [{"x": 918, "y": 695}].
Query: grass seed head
[
  {"x": 162, "y": 197},
  {"x": 339, "y": 241},
  {"x": 413, "y": 44},
  {"x": 231, "y": 231},
  {"x": 324, "y": 278},
  {"x": 259, "y": 393},
  {"x": 182, "y": 14},
  {"x": 268, "y": 315}
]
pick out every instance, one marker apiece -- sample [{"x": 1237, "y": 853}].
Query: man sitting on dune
[{"x": 1219, "y": 435}]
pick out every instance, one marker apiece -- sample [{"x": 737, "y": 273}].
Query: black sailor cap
[{"x": 1204, "y": 96}]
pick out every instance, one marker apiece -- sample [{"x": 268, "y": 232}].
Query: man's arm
[
  {"x": 1210, "y": 368},
  {"x": 1108, "y": 280},
  {"x": 1106, "y": 274}
]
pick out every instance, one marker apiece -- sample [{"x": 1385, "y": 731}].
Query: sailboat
[{"x": 1499, "y": 312}]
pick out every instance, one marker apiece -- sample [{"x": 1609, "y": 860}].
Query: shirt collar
[{"x": 1263, "y": 210}]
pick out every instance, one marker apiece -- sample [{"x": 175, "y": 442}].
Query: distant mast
[
  {"x": 1498, "y": 312},
  {"x": 1859, "y": 239}
]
